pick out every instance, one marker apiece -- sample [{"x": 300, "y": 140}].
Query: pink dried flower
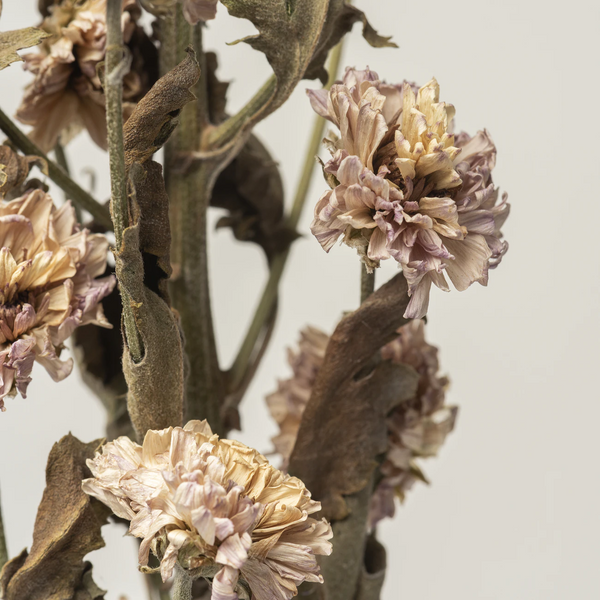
[
  {"x": 407, "y": 188},
  {"x": 416, "y": 429},
  {"x": 49, "y": 271},
  {"x": 66, "y": 95},
  {"x": 216, "y": 505}
]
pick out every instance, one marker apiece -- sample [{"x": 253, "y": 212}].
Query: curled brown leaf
[
  {"x": 67, "y": 527},
  {"x": 344, "y": 428},
  {"x": 15, "y": 167},
  {"x": 11, "y": 41}
]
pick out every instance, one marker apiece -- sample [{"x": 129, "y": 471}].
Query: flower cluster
[
  {"x": 416, "y": 428},
  {"x": 48, "y": 286},
  {"x": 405, "y": 187},
  {"x": 66, "y": 95},
  {"x": 214, "y": 505}
]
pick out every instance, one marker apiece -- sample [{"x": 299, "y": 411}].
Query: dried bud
[
  {"x": 408, "y": 188},
  {"x": 416, "y": 428},
  {"x": 214, "y": 505},
  {"x": 49, "y": 286}
]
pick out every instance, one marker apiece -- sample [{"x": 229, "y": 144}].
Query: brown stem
[{"x": 367, "y": 283}]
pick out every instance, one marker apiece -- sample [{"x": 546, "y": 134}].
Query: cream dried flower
[
  {"x": 416, "y": 428},
  {"x": 49, "y": 285},
  {"x": 66, "y": 95},
  {"x": 407, "y": 188},
  {"x": 214, "y": 505}
]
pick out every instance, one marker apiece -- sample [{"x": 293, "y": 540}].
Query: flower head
[
  {"x": 416, "y": 429},
  {"x": 66, "y": 95},
  {"x": 407, "y": 188},
  {"x": 49, "y": 285},
  {"x": 214, "y": 505}
]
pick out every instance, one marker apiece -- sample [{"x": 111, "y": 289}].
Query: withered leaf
[
  {"x": 344, "y": 428},
  {"x": 15, "y": 167},
  {"x": 289, "y": 31},
  {"x": 156, "y": 114},
  {"x": 67, "y": 527},
  {"x": 372, "y": 574},
  {"x": 11, "y": 41},
  {"x": 250, "y": 188},
  {"x": 155, "y": 383},
  {"x": 216, "y": 89},
  {"x": 340, "y": 18}
]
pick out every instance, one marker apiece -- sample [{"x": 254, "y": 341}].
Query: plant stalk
[
  {"x": 367, "y": 283},
  {"x": 3, "y": 546},
  {"x": 113, "y": 86},
  {"x": 269, "y": 295},
  {"x": 56, "y": 174},
  {"x": 189, "y": 195},
  {"x": 182, "y": 586}
]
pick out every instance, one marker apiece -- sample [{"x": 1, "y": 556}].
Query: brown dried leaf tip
[{"x": 67, "y": 527}]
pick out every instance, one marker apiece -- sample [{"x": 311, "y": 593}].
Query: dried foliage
[
  {"x": 341, "y": 16},
  {"x": 11, "y": 41},
  {"x": 155, "y": 397},
  {"x": 67, "y": 528},
  {"x": 14, "y": 169},
  {"x": 250, "y": 188},
  {"x": 344, "y": 429}
]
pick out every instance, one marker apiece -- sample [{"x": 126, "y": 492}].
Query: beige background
[{"x": 512, "y": 510}]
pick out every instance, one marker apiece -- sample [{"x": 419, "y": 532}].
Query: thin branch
[
  {"x": 56, "y": 174},
  {"x": 269, "y": 295},
  {"x": 226, "y": 131},
  {"x": 3, "y": 546},
  {"x": 118, "y": 182},
  {"x": 367, "y": 283}
]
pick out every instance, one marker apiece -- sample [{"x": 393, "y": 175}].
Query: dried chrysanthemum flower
[
  {"x": 416, "y": 428},
  {"x": 48, "y": 286},
  {"x": 66, "y": 95},
  {"x": 214, "y": 505},
  {"x": 405, "y": 187}
]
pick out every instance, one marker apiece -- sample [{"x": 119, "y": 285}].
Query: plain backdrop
[{"x": 512, "y": 512}]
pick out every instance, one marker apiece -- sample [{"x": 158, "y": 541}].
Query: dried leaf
[
  {"x": 156, "y": 383},
  {"x": 67, "y": 527},
  {"x": 340, "y": 19},
  {"x": 289, "y": 31},
  {"x": 373, "y": 569},
  {"x": 11, "y": 41},
  {"x": 250, "y": 188},
  {"x": 216, "y": 89},
  {"x": 156, "y": 114},
  {"x": 15, "y": 167},
  {"x": 344, "y": 428}
]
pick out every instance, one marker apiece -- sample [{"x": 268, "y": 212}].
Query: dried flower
[
  {"x": 214, "y": 505},
  {"x": 416, "y": 428},
  {"x": 49, "y": 286},
  {"x": 405, "y": 187},
  {"x": 66, "y": 95}
]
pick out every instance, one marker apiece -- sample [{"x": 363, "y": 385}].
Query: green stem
[
  {"x": 113, "y": 86},
  {"x": 182, "y": 586},
  {"x": 269, "y": 295},
  {"x": 226, "y": 131},
  {"x": 3, "y": 546},
  {"x": 56, "y": 174},
  {"x": 189, "y": 195},
  {"x": 367, "y": 283}
]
